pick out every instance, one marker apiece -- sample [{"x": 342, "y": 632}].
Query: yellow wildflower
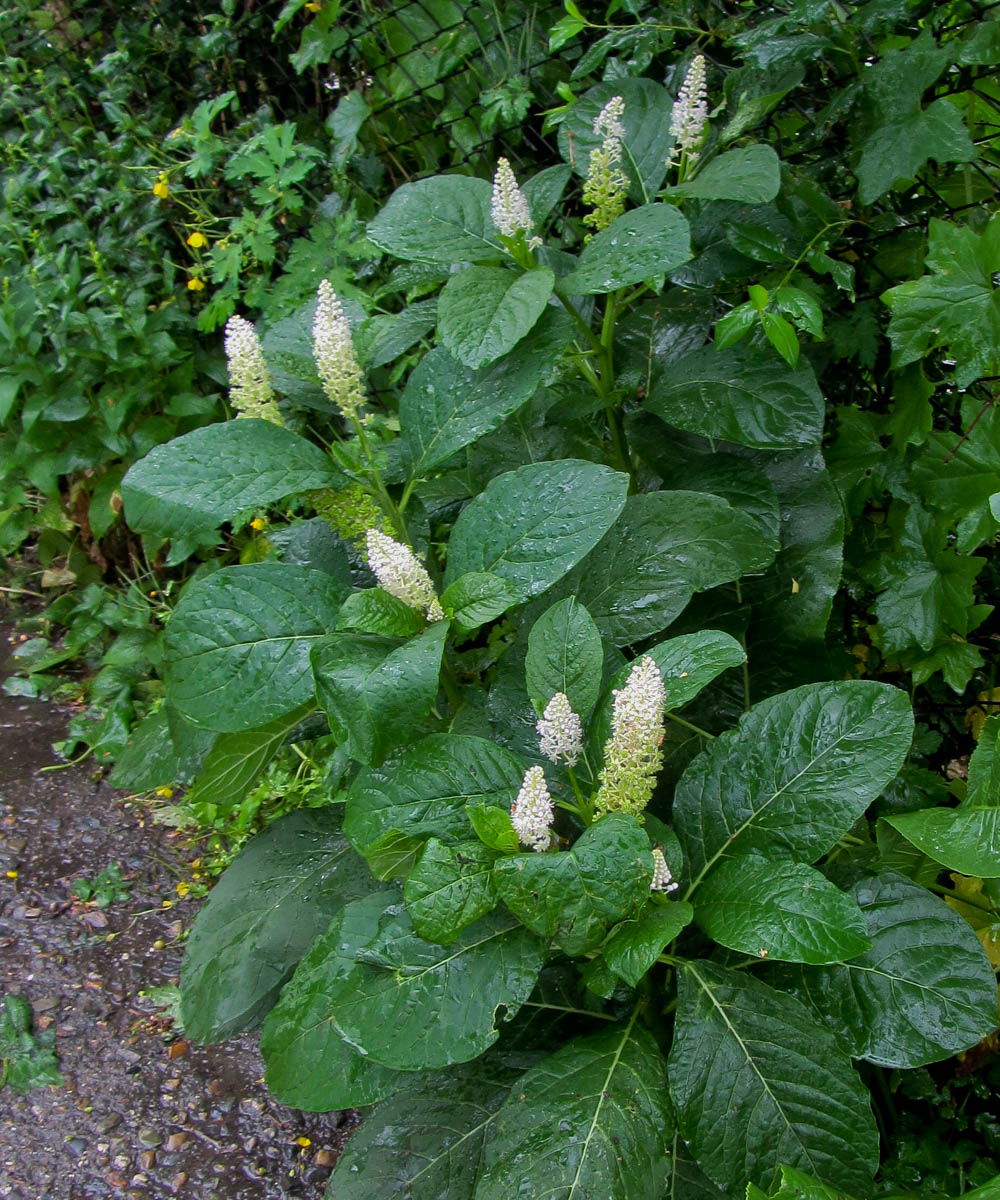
[
  {"x": 257, "y": 524},
  {"x": 313, "y": 7},
  {"x": 183, "y": 888},
  {"x": 304, "y": 1142},
  {"x": 197, "y": 240},
  {"x": 11, "y": 874},
  {"x": 161, "y": 189},
  {"x": 195, "y": 285}
]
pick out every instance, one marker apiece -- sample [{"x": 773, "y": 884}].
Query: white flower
[
  {"x": 400, "y": 573},
  {"x": 509, "y": 208},
  {"x": 606, "y": 185},
  {"x": 690, "y": 112},
  {"x": 560, "y": 732},
  {"x": 632, "y": 754},
  {"x": 532, "y": 812},
  {"x": 333, "y": 351},
  {"x": 249, "y": 383},
  {"x": 663, "y": 881}
]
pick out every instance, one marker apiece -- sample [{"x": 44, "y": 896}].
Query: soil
[{"x": 143, "y": 1114}]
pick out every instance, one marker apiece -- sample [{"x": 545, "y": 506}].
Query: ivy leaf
[
  {"x": 375, "y": 692},
  {"x": 956, "y": 307},
  {"x": 238, "y": 643},
  {"x": 450, "y": 888},
  {"x": 758, "y": 1083},
  {"x": 573, "y": 897},
  {"x": 795, "y": 775},
  {"x": 780, "y": 910},
  {"x": 424, "y": 790},
  {"x": 533, "y": 525},
  {"x": 444, "y": 219},
  {"x": 634, "y": 946},
  {"x": 641, "y": 244},
  {"x": 260, "y": 917},
  {"x": 593, "y": 1119},
  {"x": 565, "y": 655},
  {"x": 483, "y": 312}
]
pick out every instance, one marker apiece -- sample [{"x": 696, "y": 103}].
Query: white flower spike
[
  {"x": 690, "y": 112},
  {"x": 632, "y": 754},
  {"x": 400, "y": 573},
  {"x": 663, "y": 881},
  {"x": 333, "y": 351},
  {"x": 532, "y": 812},
  {"x": 249, "y": 383},
  {"x": 606, "y": 185},
  {"x": 509, "y": 208},
  {"x": 560, "y": 731}
]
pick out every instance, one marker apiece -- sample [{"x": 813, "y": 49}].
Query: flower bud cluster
[
  {"x": 333, "y": 351},
  {"x": 532, "y": 812},
  {"x": 663, "y": 881},
  {"x": 632, "y": 755},
  {"x": 605, "y": 186},
  {"x": 560, "y": 731},
  {"x": 400, "y": 573},
  {"x": 250, "y": 389},
  {"x": 690, "y": 112},
  {"x": 509, "y": 207}
]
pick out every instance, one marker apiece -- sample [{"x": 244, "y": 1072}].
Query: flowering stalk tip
[
  {"x": 632, "y": 754},
  {"x": 333, "y": 351},
  {"x": 689, "y": 116},
  {"x": 662, "y": 880},
  {"x": 560, "y": 731},
  {"x": 249, "y": 383},
  {"x": 532, "y": 812},
  {"x": 605, "y": 186},
  {"x": 509, "y": 207},
  {"x": 400, "y": 573}
]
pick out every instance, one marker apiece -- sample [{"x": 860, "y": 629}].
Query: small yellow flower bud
[
  {"x": 165, "y": 792},
  {"x": 161, "y": 189},
  {"x": 257, "y": 524},
  {"x": 197, "y": 240},
  {"x": 195, "y": 285}
]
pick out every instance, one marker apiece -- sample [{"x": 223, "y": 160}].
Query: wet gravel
[{"x": 143, "y": 1115}]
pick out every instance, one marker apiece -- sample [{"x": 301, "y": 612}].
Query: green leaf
[
  {"x": 483, "y": 312},
  {"x": 802, "y": 308},
  {"x": 444, "y": 219},
  {"x": 424, "y": 790},
  {"x": 446, "y": 405},
  {"x": 983, "y": 784},
  {"x": 573, "y": 896},
  {"x": 393, "y": 855},
  {"x": 187, "y": 488},
  {"x": 779, "y": 910},
  {"x": 493, "y": 827},
  {"x": 375, "y": 611},
  {"x": 966, "y": 839},
  {"x": 901, "y": 146},
  {"x": 758, "y": 1083},
  {"x": 309, "y": 1064},
  {"x": 734, "y": 326},
  {"x": 782, "y": 337},
  {"x": 665, "y": 547},
  {"x": 640, "y": 244},
  {"x": 647, "y": 142},
  {"x": 410, "y": 1004},
  {"x": 634, "y": 946},
  {"x": 375, "y": 692},
  {"x": 956, "y": 307},
  {"x": 153, "y": 757},
  {"x": 27, "y": 1059},
  {"x": 751, "y": 174},
  {"x": 591, "y": 1120},
  {"x": 543, "y": 191},
  {"x": 426, "y": 1142},
  {"x": 740, "y": 396},
  {"x": 238, "y": 643},
  {"x": 533, "y": 525},
  {"x": 475, "y": 598},
  {"x": 795, "y": 775},
  {"x": 450, "y": 888},
  {"x": 924, "y": 991},
  {"x": 565, "y": 655},
  {"x": 258, "y": 920}
]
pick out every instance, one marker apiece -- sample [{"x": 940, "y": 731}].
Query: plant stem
[{"x": 689, "y": 725}]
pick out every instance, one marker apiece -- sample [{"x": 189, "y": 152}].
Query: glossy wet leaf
[
  {"x": 483, "y": 312},
  {"x": 758, "y": 1083},
  {"x": 751, "y": 174},
  {"x": 425, "y": 790},
  {"x": 476, "y": 598},
  {"x": 238, "y": 643},
  {"x": 634, "y": 946},
  {"x": 779, "y": 910},
  {"x": 376, "y": 692},
  {"x": 533, "y": 525},
  {"x": 375, "y": 611},
  {"x": 641, "y": 244},
  {"x": 573, "y": 896},
  {"x": 449, "y": 888},
  {"x": 444, "y": 219},
  {"x": 493, "y": 827},
  {"x": 261, "y": 916},
  {"x": 565, "y": 655},
  {"x": 593, "y": 1119},
  {"x": 795, "y": 774}
]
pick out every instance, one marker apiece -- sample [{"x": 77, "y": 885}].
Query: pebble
[
  {"x": 178, "y": 1181},
  {"x": 111, "y": 1121},
  {"x": 77, "y": 1145},
  {"x": 324, "y": 1158},
  {"x": 176, "y": 1140},
  {"x": 146, "y": 1159},
  {"x": 45, "y": 1004},
  {"x": 149, "y": 1138}
]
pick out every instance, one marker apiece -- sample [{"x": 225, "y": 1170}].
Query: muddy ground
[{"x": 143, "y": 1115}]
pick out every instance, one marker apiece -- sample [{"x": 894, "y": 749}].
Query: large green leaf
[
  {"x": 261, "y": 916},
  {"x": 426, "y": 1142},
  {"x": 640, "y": 244},
  {"x": 573, "y": 896},
  {"x": 533, "y": 525},
  {"x": 446, "y": 405},
  {"x": 634, "y": 946},
  {"x": 795, "y": 775},
  {"x": 779, "y": 910},
  {"x": 665, "y": 547},
  {"x": 751, "y": 174},
  {"x": 964, "y": 839},
  {"x": 740, "y": 395},
  {"x": 476, "y": 598},
  {"x": 565, "y": 655},
  {"x": 483, "y": 312},
  {"x": 444, "y": 219},
  {"x": 924, "y": 991},
  {"x": 157, "y": 756},
  {"x": 238, "y": 643},
  {"x": 757, "y": 1083},
  {"x": 450, "y": 888},
  {"x": 309, "y": 1064},
  {"x": 411, "y": 1004},
  {"x": 424, "y": 790},
  {"x": 376, "y": 692},
  {"x": 186, "y": 488},
  {"x": 592, "y": 1120}
]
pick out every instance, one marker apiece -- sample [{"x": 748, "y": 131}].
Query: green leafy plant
[
  {"x": 106, "y": 888},
  {"x": 600, "y": 904},
  {"x": 26, "y": 1056}
]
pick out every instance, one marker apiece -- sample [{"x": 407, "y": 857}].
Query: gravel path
[{"x": 142, "y": 1114}]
